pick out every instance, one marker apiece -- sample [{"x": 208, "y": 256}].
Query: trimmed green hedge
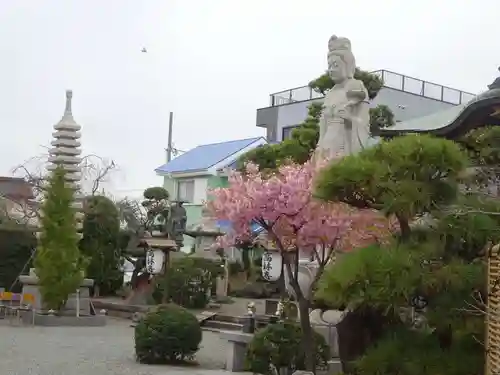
[{"x": 16, "y": 247}]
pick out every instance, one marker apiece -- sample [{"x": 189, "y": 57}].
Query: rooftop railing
[{"x": 392, "y": 80}]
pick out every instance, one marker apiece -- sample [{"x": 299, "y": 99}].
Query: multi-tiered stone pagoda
[{"x": 66, "y": 152}]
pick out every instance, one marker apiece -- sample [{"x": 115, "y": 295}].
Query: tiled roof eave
[{"x": 459, "y": 124}]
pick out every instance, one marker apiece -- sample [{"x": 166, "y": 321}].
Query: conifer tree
[{"x": 59, "y": 265}]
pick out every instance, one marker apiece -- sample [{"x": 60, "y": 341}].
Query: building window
[
  {"x": 185, "y": 191},
  {"x": 287, "y": 132}
]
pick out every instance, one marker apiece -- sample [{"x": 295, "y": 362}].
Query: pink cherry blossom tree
[{"x": 284, "y": 205}]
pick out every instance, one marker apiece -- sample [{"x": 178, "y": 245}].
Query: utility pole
[{"x": 170, "y": 126}]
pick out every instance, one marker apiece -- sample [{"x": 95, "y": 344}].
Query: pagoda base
[{"x": 80, "y": 301}]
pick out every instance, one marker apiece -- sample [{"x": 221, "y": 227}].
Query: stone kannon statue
[
  {"x": 344, "y": 124},
  {"x": 496, "y": 83}
]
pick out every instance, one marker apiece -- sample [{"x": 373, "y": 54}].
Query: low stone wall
[
  {"x": 118, "y": 309},
  {"x": 62, "y": 321}
]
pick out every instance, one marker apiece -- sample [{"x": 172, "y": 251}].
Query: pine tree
[
  {"x": 59, "y": 265},
  {"x": 426, "y": 286}
]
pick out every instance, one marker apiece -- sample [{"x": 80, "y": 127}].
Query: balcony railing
[{"x": 392, "y": 80}]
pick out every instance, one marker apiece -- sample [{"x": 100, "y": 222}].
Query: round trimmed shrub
[
  {"x": 188, "y": 282},
  {"x": 168, "y": 334},
  {"x": 279, "y": 346}
]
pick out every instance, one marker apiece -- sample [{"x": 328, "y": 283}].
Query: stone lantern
[
  {"x": 153, "y": 248},
  {"x": 205, "y": 234}
]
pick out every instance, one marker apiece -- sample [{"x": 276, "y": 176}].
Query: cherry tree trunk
[
  {"x": 305, "y": 323},
  {"x": 307, "y": 335},
  {"x": 142, "y": 290}
]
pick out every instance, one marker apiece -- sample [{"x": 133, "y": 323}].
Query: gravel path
[{"x": 91, "y": 351}]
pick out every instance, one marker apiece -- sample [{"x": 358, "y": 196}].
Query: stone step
[
  {"x": 120, "y": 314},
  {"x": 227, "y": 326}
]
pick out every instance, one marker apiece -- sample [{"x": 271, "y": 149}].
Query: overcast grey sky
[{"x": 211, "y": 62}]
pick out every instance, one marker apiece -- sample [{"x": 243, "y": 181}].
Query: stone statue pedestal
[
  {"x": 236, "y": 349},
  {"x": 323, "y": 322},
  {"x": 68, "y": 315},
  {"x": 221, "y": 287},
  {"x": 306, "y": 272}
]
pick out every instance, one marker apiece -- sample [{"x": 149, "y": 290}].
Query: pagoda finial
[{"x": 69, "y": 95}]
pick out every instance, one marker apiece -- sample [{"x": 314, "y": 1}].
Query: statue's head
[
  {"x": 341, "y": 62},
  {"x": 496, "y": 83}
]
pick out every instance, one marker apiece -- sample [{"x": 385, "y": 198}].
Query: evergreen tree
[
  {"x": 425, "y": 287},
  {"x": 59, "y": 265},
  {"x": 101, "y": 231},
  {"x": 297, "y": 149}
]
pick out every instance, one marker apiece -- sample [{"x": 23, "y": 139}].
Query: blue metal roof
[
  {"x": 226, "y": 226},
  {"x": 233, "y": 165},
  {"x": 205, "y": 156}
]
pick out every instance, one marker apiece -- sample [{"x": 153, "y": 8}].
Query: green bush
[
  {"x": 235, "y": 268},
  {"x": 393, "y": 355},
  {"x": 188, "y": 282},
  {"x": 279, "y": 346},
  {"x": 169, "y": 334},
  {"x": 443, "y": 267},
  {"x": 256, "y": 290},
  {"x": 16, "y": 248},
  {"x": 101, "y": 233},
  {"x": 466, "y": 234},
  {"x": 373, "y": 277}
]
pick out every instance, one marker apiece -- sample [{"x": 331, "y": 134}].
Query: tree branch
[
  {"x": 128, "y": 258},
  {"x": 95, "y": 172},
  {"x": 321, "y": 267}
]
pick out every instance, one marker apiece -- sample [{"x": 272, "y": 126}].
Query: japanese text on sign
[
  {"x": 267, "y": 266},
  {"x": 150, "y": 261}
]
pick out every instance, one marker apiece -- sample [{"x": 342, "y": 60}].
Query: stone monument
[
  {"x": 344, "y": 129},
  {"x": 344, "y": 124},
  {"x": 204, "y": 234},
  {"x": 66, "y": 153}
]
